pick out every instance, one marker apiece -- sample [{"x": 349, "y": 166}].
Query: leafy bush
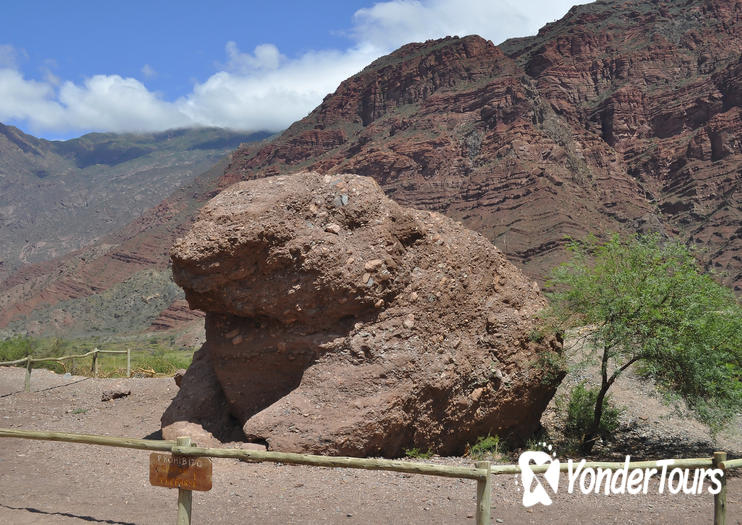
[
  {"x": 163, "y": 363},
  {"x": 417, "y": 453},
  {"x": 581, "y": 410},
  {"x": 487, "y": 447},
  {"x": 15, "y": 348},
  {"x": 18, "y": 347},
  {"x": 553, "y": 366},
  {"x": 643, "y": 300}
]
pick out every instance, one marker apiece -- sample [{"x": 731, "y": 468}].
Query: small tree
[{"x": 644, "y": 301}]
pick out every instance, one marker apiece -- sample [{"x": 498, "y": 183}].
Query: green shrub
[
  {"x": 15, "y": 348},
  {"x": 644, "y": 300},
  {"x": 553, "y": 365},
  {"x": 417, "y": 453},
  {"x": 489, "y": 446},
  {"x": 163, "y": 363},
  {"x": 581, "y": 410},
  {"x": 18, "y": 347}
]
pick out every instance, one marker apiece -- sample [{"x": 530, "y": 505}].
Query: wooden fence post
[
  {"x": 128, "y": 362},
  {"x": 94, "y": 366},
  {"x": 484, "y": 494},
  {"x": 27, "y": 382},
  {"x": 720, "y": 499},
  {"x": 185, "y": 497}
]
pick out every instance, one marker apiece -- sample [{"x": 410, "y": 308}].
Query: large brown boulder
[{"x": 339, "y": 322}]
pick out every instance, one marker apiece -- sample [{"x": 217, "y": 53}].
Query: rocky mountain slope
[
  {"x": 622, "y": 116},
  {"x": 57, "y": 196}
]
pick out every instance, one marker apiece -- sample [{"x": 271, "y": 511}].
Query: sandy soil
[{"x": 46, "y": 482}]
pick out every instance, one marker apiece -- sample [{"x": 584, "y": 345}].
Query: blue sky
[{"x": 70, "y": 67}]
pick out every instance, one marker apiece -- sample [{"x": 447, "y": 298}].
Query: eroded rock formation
[{"x": 339, "y": 322}]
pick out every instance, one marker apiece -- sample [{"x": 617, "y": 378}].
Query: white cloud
[
  {"x": 47, "y": 69},
  {"x": 273, "y": 96},
  {"x": 28, "y": 100},
  {"x": 148, "y": 71},
  {"x": 262, "y": 89},
  {"x": 265, "y": 56},
  {"x": 9, "y": 56},
  {"x": 102, "y": 102},
  {"x": 391, "y": 24},
  {"x": 114, "y": 103}
]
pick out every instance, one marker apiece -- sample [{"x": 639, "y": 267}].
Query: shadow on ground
[{"x": 67, "y": 515}]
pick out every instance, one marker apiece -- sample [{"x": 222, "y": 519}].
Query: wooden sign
[{"x": 179, "y": 472}]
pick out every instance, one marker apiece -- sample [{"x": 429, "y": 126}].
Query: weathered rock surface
[
  {"x": 200, "y": 407},
  {"x": 116, "y": 393},
  {"x": 177, "y": 314},
  {"x": 340, "y": 322}
]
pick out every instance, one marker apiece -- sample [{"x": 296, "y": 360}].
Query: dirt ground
[{"x": 50, "y": 483}]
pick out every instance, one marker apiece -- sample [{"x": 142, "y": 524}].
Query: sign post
[
  {"x": 186, "y": 473},
  {"x": 185, "y": 497}
]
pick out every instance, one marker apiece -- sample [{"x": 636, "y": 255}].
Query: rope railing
[
  {"x": 91, "y": 439},
  {"x": 731, "y": 463},
  {"x": 291, "y": 458},
  {"x": 482, "y": 471},
  {"x": 28, "y": 360}
]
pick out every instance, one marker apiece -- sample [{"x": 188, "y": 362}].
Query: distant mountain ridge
[
  {"x": 623, "y": 116},
  {"x": 58, "y": 196}
]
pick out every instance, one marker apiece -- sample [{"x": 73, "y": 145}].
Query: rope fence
[
  {"x": 482, "y": 471},
  {"x": 28, "y": 360}
]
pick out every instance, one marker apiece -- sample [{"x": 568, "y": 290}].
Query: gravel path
[{"x": 50, "y": 483}]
